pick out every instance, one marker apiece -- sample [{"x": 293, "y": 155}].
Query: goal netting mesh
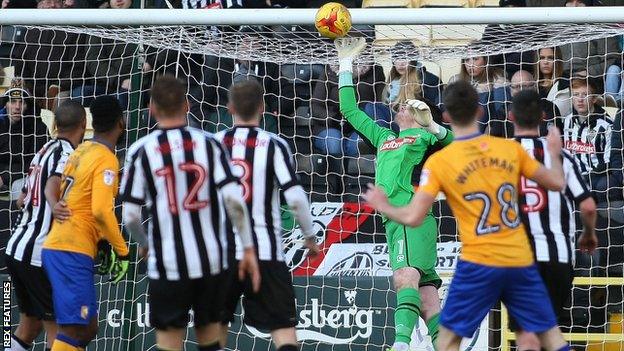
[{"x": 344, "y": 299}]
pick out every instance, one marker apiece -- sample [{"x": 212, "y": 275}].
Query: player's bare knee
[
  {"x": 447, "y": 340},
  {"x": 527, "y": 341},
  {"x": 552, "y": 339},
  {"x": 406, "y": 277}
]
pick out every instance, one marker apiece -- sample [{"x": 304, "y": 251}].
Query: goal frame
[{"x": 366, "y": 16}]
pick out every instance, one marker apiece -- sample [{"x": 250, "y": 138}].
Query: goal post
[{"x": 345, "y": 299}]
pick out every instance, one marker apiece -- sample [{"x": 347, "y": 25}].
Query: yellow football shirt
[
  {"x": 480, "y": 176},
  {"x": 89, "y": 186}
]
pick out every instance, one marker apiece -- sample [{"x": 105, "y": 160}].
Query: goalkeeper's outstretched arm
[{"x": 348, "y": 50}]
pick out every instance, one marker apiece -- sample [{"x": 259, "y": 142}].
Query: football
[{"x": 333, "y": 20}]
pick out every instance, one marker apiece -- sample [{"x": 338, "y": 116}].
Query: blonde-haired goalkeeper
[{"x": 412, "y": 249}]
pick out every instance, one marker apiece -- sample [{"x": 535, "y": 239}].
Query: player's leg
[
  {"x": 233, "y": 294},
  {"x": 475, "y": 289},
  {"x": 273, "y": 307},
  {"x": 73, "y": 292},
  {"x": 448, "y": 341},
  {"x": 557, "y": 278},
  {"x": 208, "y": 303},
  {"x": 527, "y": 300},
  {"x": 425, "y": 259},
  {"x": 29, "y": 325},
  {"x": 170, "y": 303}
]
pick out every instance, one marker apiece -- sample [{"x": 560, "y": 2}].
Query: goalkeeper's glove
[
  {"x": 423, "y": 116},
  {"x": 119, "y": 267},
  {"x": 348, "y": 49},
  {"x": 104, "y": 257}
]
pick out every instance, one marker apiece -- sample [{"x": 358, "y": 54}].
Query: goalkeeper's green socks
[
  {"x": 433, "y": 326},
  {"x": 406, "y": 314}
]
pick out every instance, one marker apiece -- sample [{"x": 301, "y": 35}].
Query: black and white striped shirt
[
  {"x": 548, "y": 216},
  {"x": 35, "y": 219},
  {"x": 216, "y": 4},
  {"x": 264, "y": 164},
  {"x": 178, "y": 173},
  {"x": 588, "y": 140}
]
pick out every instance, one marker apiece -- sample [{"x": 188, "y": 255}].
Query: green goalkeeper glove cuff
[{"x": 119, "y": 267}]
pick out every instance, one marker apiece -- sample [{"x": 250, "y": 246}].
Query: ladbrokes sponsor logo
[
  {"x": 580, "y": 147},
  {"x": 320, "y": 322},
  {"x": 360, "y": 264},
  {"x": 397, "y": 143}
]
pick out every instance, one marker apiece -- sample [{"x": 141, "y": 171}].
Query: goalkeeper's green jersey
[{"x": 397, "y": 154}]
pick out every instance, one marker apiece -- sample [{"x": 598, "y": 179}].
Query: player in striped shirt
[
  {"x": 479, "y": 175},
  {"x": 264, "y": 164},
  {"x": 183, "y": 176},
  {"x": 548, "y": 216},
  {"x": 40, "y": 194},
  {"x": 88, "y": 188}
]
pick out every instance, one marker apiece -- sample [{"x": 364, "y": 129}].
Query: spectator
[
  {"x": 22, "y": 134},
  {"x": 110, "y": 63},
  {"x": 407, "y": 80},
  {"x": 614, "y": 82},
  {"x": 593, "y": 56},
  {"x": 478, "y": 72},
  {"x": 489, "y": 82},
  {"x": 331, "y": 134},
  {"x": 50, "y": 60},
  {"x": 548, "y": 70},
  {"x": 587, "y": 131},
  {"x": 501, "y": 126}
]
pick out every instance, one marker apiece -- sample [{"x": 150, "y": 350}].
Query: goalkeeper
[{"x": 413, "y": 251}]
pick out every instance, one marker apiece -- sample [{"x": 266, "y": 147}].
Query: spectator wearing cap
[
  {"x": 22, "y": 134},
  {"x": 593, "y": 56}
]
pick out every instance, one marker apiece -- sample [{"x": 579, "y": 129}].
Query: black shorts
[
  {"x": 171, "y": 300},
  {"x": 32, "y": 289},
  {"x": 557, "y": 278},
  {"x": 273, "y": 307}
]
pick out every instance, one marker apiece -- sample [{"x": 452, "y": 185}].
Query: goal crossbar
[{"x": 370, "y": 16}]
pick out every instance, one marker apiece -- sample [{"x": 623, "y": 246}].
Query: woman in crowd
[
  {"x": 548, "y": 70},
  {"x": 477, "y": 71}
]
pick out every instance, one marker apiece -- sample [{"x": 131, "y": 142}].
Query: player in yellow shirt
[
  {"x": 88, "y": 187},
  {"x": 479, "y": 176}
]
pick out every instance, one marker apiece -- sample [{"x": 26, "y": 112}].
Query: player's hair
[
  {"x": 106, "y": 113},
  {"x": 69, "y": 115},
  {"x": 461, "y": 102},
  {"x": 168, "y": 94},
  {"x": 246, "y": 97},
  {"x": 527, "y": 109}
]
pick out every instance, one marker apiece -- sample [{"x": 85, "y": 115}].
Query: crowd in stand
[{"x": 582, "y": 86}]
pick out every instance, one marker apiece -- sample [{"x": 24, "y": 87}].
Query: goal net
[{"x": 345, "y": 299}]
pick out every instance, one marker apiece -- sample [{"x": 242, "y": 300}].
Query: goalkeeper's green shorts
[{"x": 415, "y": 247}]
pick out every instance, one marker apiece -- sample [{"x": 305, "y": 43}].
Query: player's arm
[
  {"x": 102, "y": 202},
  {"x": 132, "y": 194},
  {"x": 294, "y": 194},
  {"x": 550, "y": 178},
  {"x": 414, "y": 213},
  {"x": 578, "y": 190},
  {"x": 348, "y": 50},
  {"x": 52, "y": 190}
]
